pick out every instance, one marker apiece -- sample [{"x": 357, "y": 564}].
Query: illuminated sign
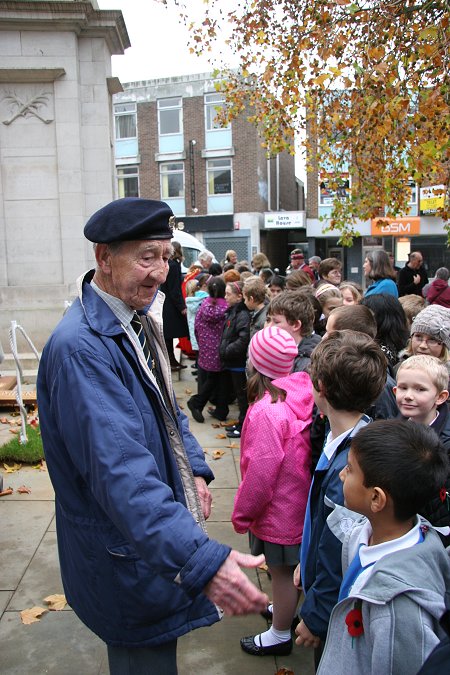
[{"x": 398, "y": 227}]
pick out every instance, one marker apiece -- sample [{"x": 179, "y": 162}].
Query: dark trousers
[
  {"x": 239, "y": 384},
  {"x": 211, "y": 385},
  {"x": 143, "y": 660}
]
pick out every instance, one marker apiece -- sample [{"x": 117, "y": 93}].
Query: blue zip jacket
[
  {"x": 134, "y": 562},
  {"x": 321, "y": 549}
]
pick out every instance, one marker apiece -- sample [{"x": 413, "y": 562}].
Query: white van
[{"x": 191, "y": 248}]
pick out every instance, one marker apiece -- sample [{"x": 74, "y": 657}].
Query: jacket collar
[{"x": 99, "y": 316}]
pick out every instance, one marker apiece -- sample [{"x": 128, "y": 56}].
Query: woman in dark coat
[{"x": 174, "y": 310}]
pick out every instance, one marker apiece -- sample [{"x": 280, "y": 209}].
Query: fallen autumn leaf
[
  {"x": 56, "y": 602},
  {"x": 24, "y": 490},
  {"x": 32, "y": 615},
  {"x": 8, "y": 491},
  {"x": 11, "y": 468},
  {"x": 217, "y": 454}
]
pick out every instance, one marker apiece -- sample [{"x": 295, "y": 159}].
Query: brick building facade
[{"x": 218, "y": 181}]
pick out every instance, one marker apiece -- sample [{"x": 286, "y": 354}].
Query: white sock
[{"x": 272, "y": 637}]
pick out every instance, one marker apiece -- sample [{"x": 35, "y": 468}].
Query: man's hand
[
  {"x": 204, "y": 496},
  {"x": 231, "y": 590},
  {"x": 416, "y": 279},
  {"x": 305, "y": 637}
]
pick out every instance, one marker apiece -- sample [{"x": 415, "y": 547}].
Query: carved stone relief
[{"x": 27, "y": 105}]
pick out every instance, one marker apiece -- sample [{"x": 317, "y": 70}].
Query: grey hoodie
[{"x": 402, "y": 602}]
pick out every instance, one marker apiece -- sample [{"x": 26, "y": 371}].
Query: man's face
[
  {"x": 296, "y": 263},
  {"x": 314, "y": 265},
  {"x": 416, "y": 262},
  {"x": 136, "y": 270}
]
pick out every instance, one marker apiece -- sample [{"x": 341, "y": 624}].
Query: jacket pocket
[{"x": 144, "y": 598}]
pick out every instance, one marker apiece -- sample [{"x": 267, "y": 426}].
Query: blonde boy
[
  {"x": 421, "y": 393},
  {"x": 422, "y": 386}
]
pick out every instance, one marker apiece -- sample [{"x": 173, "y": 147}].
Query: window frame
[
  {"x": 132, "y": 112},
  {"x": 122, "y": 178},
  {"x": 163, "y": 173},
  {"x": 209, "y": 107},
  {"x": 209, "y": 169},
  {"x": 344, "y": 174},
  {"x": 178, "y": 106}
]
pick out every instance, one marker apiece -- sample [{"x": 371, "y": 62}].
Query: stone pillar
[{"x": 56, "y": 150}]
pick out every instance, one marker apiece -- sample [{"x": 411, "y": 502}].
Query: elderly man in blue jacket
[{"x": 130, "y": 480}]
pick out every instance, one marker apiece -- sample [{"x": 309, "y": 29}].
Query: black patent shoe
[{"x": 281, "y": 649}]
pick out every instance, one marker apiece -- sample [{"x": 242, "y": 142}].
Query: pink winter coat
[{"x": 275, "y": 464}]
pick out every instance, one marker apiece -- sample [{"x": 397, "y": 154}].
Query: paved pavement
[{"x": 59, "y": 644}]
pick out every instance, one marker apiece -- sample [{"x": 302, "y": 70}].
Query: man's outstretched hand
[{"x": 231, "y": 589}]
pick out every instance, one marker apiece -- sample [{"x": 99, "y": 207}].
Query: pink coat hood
[{"x": 275, "y": 464}]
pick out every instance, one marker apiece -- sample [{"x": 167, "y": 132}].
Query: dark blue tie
[{"x": 139, "y": 330}]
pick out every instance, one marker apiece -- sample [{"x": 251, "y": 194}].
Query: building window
[
  {"x": 169, "y": 116},
  {"x": 413, "y": 193},
  {"x": 172, "y": 180},
  {"x": 125, "y": 120},
  {"x": 331, "y": 186},
  {"x": 219, "y": 176},
  {"x": 128, "y": 181},
  {"x": 212, "y": 103}
]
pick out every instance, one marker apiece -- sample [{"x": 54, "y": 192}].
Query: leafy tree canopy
[{"x": 364, "y": 84}]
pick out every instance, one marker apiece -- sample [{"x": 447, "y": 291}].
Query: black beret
[{"x": 130, "y": 218}]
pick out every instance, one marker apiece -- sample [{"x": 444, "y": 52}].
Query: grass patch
[{"x": 30, "y": 452}]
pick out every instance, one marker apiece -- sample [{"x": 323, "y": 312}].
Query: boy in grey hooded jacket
[{"x": 395, "y": 568}]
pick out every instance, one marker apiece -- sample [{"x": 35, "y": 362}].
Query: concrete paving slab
[
  {"x": 225, "y": 533},
  {"x": 38, "y": 481},
  {"x": 222, "y": 505},
  {"x": 216, "y": 650},
  {"x": 58, "y": 644},
  {"x": 42, "y": 577},
  {"x": 224, "y": 469},
  {"x": 23, "y": 526},
  {"x": 5, "y": 597}
]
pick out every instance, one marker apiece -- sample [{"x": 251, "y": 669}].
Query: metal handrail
[{"x": 19, "y": 374}]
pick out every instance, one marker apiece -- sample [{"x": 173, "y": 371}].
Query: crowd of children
[{"x": 345, "y": 446}]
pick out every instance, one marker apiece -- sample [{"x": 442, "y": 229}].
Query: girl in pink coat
[{"x": 271, "y": 500}]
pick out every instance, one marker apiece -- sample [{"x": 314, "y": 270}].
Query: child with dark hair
[
  {"x": 294, "y": 312},
  {"x": 209, "y": 322},
  {"x": 348, "y": 372},
  {"x": 276, "y": 285},
  {"x": 256, "y": 301},
  {"x": 233, "y": 349},
  {"x": 215, "y": 269},
  {"x": 362, "y": 319},
  {"x": 275, "y": 467},
  {"x": 395, "y": 570},
  {"x": 352, "y": 317}
]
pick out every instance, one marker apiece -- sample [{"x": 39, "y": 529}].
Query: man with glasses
[{"x": 413, "y": 277}]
